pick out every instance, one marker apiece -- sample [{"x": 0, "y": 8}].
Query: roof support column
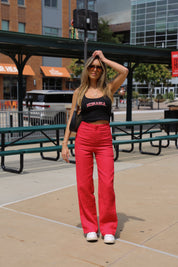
[
  {"x": 129, "y": 90},
  {"x": 20, "y": 64}
]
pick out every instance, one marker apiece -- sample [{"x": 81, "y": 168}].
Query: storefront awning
[
  {"x": 55, "y": 72},
  {"x": 11, "y": 69}
]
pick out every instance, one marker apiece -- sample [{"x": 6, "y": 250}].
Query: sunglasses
[{"x": 92, "y": 68}]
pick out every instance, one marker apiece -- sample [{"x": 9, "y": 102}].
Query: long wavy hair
[{"x": 101, "y": 83}]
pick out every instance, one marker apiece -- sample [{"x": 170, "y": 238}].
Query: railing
[{"x": 10, "y": 119}]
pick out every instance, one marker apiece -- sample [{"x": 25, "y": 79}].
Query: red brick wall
[{"x": 32, "y": 17}]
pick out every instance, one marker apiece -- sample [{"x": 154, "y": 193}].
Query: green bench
[
  {"x": 20, "y": 139},
  {"x": 27, "y": 150},
  {"x": 58, "y": 148},
  {"x": 117, "y": 143},
  {"x": 21, "y": 152},
  {"x": 27, "y": 131}
]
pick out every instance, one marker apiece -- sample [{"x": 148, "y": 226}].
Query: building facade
[
  {"x": 19, "y": 16},
  {"x": 154, "y": 23},
  {"x": 48, "y": 17}
]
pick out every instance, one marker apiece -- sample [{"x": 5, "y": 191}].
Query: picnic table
[{"x": 132, "y": 131}]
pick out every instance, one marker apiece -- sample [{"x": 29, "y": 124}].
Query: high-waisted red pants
[{"x": 95, "y": 140}]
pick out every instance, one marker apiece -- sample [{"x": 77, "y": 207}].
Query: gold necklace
[{"x": 95, "y": 94}]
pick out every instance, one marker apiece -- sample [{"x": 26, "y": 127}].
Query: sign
[
  {"x": 11, "y": 69},
  {"x": 174, "y": 57},
  {"x": 55, "y": 72}
]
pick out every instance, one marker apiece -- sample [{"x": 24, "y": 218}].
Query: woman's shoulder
[{"x": 76, "y": 91}]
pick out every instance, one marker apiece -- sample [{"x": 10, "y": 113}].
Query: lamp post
[
  {"x": 85, "y": 20},
  {"x": 85, "y": 32}
]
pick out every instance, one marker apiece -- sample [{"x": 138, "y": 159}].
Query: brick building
[{"x": 49, "y": 17}]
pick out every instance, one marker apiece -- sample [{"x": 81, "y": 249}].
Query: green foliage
[
  {"x": 111, "y": 73},
  {"x": 171, "y": 96},
  {"x": 105, "y": 34},
  {"x": 135, "y": 94},
  {"x": 159, "y": 96},
  {"x": 76, "y": 68},
  {"x": 152, "y": 73}
]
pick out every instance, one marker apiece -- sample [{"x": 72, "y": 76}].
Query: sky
[{"x": 116, "y": 11}]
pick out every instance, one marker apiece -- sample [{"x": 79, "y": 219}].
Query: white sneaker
[
  {"x": 92, "y": 236},
  {"x": 109, "y": 239}
]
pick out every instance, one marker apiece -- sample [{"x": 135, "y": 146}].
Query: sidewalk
[{"x": 40, "y": 224}]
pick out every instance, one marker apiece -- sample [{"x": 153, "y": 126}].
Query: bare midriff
[{"x": 99, "y": 122}]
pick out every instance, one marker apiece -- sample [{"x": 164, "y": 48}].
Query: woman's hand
[
  {"x": 65, "y": 153},
  {"x": 99, "y": 53},
  {"x": 122, "y": 71}
]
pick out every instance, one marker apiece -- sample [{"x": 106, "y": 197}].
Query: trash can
[{"x": 172, "y": 113}]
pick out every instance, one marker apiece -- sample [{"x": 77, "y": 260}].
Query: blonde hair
[{"x": 101, "y": 83}]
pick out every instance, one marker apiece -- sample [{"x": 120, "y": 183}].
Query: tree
[
  {"x": 76, "y": 68},
  {"x": 105, "y": 34},
  {"x": 153, "y": 74}
]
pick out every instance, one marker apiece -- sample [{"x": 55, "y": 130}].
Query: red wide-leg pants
[{"x": 95, "y": 140}]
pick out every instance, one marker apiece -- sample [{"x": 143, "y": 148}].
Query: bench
[
  {"x": 161, "y": 138},
  {"x": 20, "y": 139},
  {"x": 148, "y": 103},
  {"x": 27, "y": 150},
  {"x": 151, "y": 124},
  {"x": 58, "y": 148},
  {"x": 26, "y": 131},
  {"x": 23, "y": 151}
]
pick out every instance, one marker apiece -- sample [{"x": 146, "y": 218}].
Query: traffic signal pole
[{"x": 85, "y": 33}]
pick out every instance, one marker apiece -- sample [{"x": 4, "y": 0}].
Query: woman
[{"x": 94, "y": 97}]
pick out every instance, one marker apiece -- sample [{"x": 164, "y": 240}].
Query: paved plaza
[{"x": 39, "y": 216}]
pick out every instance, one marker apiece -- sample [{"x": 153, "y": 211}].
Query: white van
[{"x": 47, "y": 106}]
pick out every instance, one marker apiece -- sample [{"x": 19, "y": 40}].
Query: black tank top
[{"x": 94, "y": 109}]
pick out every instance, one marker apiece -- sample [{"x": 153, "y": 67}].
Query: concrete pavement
[{"x": 40, "y": 223}]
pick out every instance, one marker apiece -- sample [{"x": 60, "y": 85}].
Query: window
[
  {"x": 52, "y": 83},
  {"x": 163, "y": 2},
  {"x": 4, "y": 1},
  {"x": 50, "y": 3},
  {"x": 150, "y": 27},
  {"x": 91, "y": 35},
  {"x": 21, "y": 2},
  {"x": 51, "y": 31},
  {"x": 161, "y": 14},
  {"x": 81, "y": 4},
  {"x": 21, "y": 27},
  {"x": 172, "y": 1},
  {"x": 141, "y": 6},
  {"x": 5, "y": 25},
  {"x": 10, "y": 86},
  {"x": 175, "y": 6},
  {"x": 91, "y": 5},
  {"x": 151, "y": 33},
  {"x": 140, "y": 34},
  {"x": 141, "y": 16}
]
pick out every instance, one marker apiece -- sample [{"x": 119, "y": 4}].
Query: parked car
[{"x": 47, "y": 106}]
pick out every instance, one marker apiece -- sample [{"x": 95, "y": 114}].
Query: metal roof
[
  {"x": 26, "y": 45},
  {"x": 42, "y": 45}
]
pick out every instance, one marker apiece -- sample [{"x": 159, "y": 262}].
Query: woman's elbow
[{"x": 126, "y": 71}]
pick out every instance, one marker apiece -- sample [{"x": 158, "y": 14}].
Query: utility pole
[
  {"x": 85, "y": 32},
  {"x": 86, "y": 20}
]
